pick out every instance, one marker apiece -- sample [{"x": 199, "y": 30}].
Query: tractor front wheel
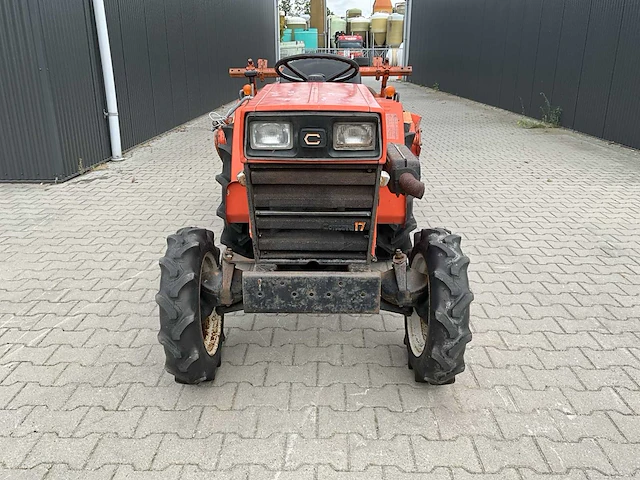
[
  {"x": 191, "y": 329},
  {"x": 390, "y": 238},
  {"x": 438, "y": 330},
  {"x": 236, "y": 236}
]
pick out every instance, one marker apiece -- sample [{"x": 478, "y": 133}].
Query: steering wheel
[{"x": 351, "y": 70}]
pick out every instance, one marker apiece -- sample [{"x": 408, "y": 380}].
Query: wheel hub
[
  {"x": 417, "y": 328},
  {"x": 211, "y": 324},
  {"x": 211, "y": 330}
]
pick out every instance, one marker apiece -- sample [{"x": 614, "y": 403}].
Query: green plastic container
[{"x": 309, "y": 37}]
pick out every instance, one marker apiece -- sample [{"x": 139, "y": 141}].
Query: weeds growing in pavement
[{"x": 550, "y": 114}]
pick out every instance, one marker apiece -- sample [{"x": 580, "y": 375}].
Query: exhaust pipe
[{"x": 411, "y": 185}]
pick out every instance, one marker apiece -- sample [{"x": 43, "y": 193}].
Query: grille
[{"x": 313, "y": 213}]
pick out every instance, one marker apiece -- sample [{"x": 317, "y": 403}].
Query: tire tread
[
  {"x": 449, "y": 332},
  {"x": 179, "y": 306}
]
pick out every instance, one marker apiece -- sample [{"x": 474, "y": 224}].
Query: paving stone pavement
[{"x": 550, "y": 219}]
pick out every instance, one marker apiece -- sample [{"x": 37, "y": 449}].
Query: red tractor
[
  {"x": 318, "y": 180},
  {"x": 351, "y": 46}
]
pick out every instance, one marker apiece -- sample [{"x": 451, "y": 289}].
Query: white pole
[
  {"x": 109, "y": 80},
  {"x": 277, "y": 29}
]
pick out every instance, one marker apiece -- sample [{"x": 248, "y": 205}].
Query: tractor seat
[{"x": 318, "y": 68}]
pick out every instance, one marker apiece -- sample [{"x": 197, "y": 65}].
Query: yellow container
[
  {"x": 359, "y": 26},
  {"x": 295, "y": 23},
  {"x": 395, "y": 30},
  {"x": 379, "y": 27}
]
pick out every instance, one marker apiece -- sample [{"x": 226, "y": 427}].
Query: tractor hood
[{"x": 342, "y": 97}]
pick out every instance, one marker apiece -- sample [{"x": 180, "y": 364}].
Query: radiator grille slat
[
  {"x": 301, "y": 241},
  {"x": 302, "y": 222},
  {"x": 311, "y": 177},
  {"x": 297, "y": 197},
  {"x": 313, "y": 212}
]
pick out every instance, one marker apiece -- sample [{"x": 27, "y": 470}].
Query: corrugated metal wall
[
  {"x": 171, "y": 57},
  {"x": 51, "y": 124},
  {"x": 582, "y": 54},
  {"x": 170, "y": 61}
]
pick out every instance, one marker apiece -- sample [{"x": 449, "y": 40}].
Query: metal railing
[{"x": 394, "y": 55}]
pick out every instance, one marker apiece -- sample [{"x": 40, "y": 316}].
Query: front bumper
[{"x": 311, "y": 292}]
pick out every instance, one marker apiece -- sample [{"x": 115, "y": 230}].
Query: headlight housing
[
  {"x": 313, "y": 135},
  {"x": 271, "y": 135},
  {"x": 354, "y": 136}
]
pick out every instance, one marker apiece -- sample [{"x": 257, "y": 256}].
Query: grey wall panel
[
  {"x": 433, "y": 50},
  {"x": 623, "y": 112},
  {"x": 451, "y": 75},
  {"x": 455, "y": 41},
  {"x": 512, "y": 42},
  {"x": 178, "y": 74},
  {"x": 206, "y": 67},
  {"x": 159, "y": 66},
  {"x": 582, "y": 54},
  {"x": 21, "y": 78},
  {"x": 469, "y": 63},
  {"x": 176, "y": 54},
  {"x": 23, "y": 107},
  {"x": 137, "y": 68},
  {"x": 493, "y": 44},
  {"x": 422, "y": 18},
  {"x": 597, "y": 68},
  {"x": 224, "y": 55},
  {"x": 440, "y": 47},
  {"x": 213, "y": 54},
  {"x": 191, "y": 56},
  {"x": 74, "y": 84},
  {"x": 528, "y": 54},
  {"x": 570, "y": 57},
  {"x": 419, "y": 36},
  {"x": 547, "y": 55},
  {"x": 170, "y": 60}
]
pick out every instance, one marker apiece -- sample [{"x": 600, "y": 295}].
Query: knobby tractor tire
[
  {"x": 438, "y": 331},
  {"x": 393, "y": 237},
  {"x": 191, "y": 330},
  {"x": 235, "y": 235}
]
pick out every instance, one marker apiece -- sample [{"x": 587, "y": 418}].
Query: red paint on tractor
[{"x": 324, "y": 97}]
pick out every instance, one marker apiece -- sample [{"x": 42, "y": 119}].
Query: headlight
[
  {"x": 271, "y": 136},
  {"x": 354, "y": 136}
]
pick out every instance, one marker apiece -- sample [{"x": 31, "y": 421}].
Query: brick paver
[{"x": 550, "y": 220}]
